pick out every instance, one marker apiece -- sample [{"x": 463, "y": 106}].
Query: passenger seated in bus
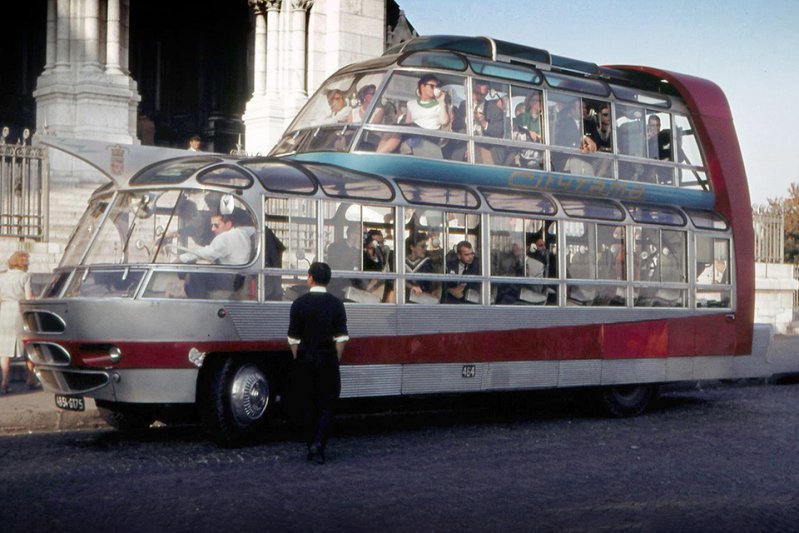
[
  {"x": 465, "y": 263},
  {"x": 670, "y": 271},
  {"x": 192, "y": 223},
  {"x": 273, "y": 258},
  {"x": 602, "y": 135},
  {"x": 369, "y": 139},
  {"x": 428, "y": 110},
  {"x": 581, "y": 266},
  {"x": 568, "y": 132},
  {"x": 344, "y": 254},
  {"x": 418, "y": 262},
  {"x": 509, "y": 263},
  {"x": 231, "y": 246},
  {"x": 339, "y": 111},
  {"x": 377, "y": 252},
  {"x": 538, "y": 264}
]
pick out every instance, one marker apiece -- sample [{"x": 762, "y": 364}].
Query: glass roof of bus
[
  {"x": 226, "y": 176},
  {"x": 593, "y": 208},
  {"x": 519, "y": 202},
  {"x": 172, "y": 171},
  {"x": 479, "y": 46},
  {"x": 438, "y": 194},
  {"x": 445, "y": 60},
  {"x": 278, "y": 176},
  {"x": 344, "y": 183},
  {"x": 648, "y": 214}
]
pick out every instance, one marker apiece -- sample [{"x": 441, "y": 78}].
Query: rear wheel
[
  {"x": 624, "y": 400},
  {"x": 236, "y": 400}
]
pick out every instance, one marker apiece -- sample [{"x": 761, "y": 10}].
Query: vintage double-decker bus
[{"x": 496, "y": 217}]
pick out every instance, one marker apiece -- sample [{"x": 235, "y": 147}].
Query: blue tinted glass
[
  {"x": 429, "y": 194},
  {"x": 601, "y": 209},
  {"x": 435, "y": 59},
  {"x": 499, "y": 70}
]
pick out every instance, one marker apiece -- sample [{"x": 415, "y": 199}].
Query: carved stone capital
[
  {"x": 262, "y": 6},
  {"x": 302, "y": 5}
]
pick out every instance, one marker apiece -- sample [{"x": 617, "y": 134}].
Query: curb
[{"x": 18, "y": 419}]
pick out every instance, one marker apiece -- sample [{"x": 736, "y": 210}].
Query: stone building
[{"x": 133, "y": 71}]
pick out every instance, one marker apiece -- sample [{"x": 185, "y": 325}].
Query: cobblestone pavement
[{"x": 718, "y": 458}]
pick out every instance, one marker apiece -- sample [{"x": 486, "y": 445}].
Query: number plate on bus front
[{"x": 70, "y": 403}]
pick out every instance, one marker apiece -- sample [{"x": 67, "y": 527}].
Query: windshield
[
  {"x": 149, "y": 226},
  {"x": 341, "y": 100}
]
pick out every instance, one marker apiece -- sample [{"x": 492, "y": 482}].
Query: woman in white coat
[{"x": 15, "y": 285}]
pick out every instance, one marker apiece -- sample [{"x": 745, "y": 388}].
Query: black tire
[
  {"x": 624, "y": 400},
  {"x": 122, "y": 418},
  {"x": 236, "y": 400}
]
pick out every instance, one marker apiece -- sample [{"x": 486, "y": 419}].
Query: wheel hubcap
[{"x": 250, "y": 394}]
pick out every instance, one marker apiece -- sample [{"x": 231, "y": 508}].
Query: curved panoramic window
[
  {"x": 518, "y": 202},
  {"x": 443, "y": 60},
  {"x": 584, "y": 208},
  {"x": 342, "y": 183},
  {"x": 226, "y": 177},
  {"x": 501, "y": 70},
  {"x": 433, "y": 194},
  {"x": 281, "y": 177},
  {"x": 707, "y": 219},
  {"x": 171, "y": 172},
  {"x": 655, "y": 215}
]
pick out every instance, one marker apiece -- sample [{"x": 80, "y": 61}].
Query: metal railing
[
  {"x": 24, "y": 189},
  {"x": 769, "y": 226}
]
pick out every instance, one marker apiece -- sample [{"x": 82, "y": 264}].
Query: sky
[{"x": 749, "y": 48}]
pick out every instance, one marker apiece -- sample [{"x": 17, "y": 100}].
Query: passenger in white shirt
[{"x": 230, "y": 246}]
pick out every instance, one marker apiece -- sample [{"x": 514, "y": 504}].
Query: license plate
[{"x": 70, "y": 403}]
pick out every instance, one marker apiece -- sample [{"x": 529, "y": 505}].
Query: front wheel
[
  {"x": 235, "y": 400},
  {"x": 624, "y": 400}
]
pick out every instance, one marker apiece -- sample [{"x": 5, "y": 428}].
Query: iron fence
[
  {"x": 769, "y": 226},
  {"x": 24, "y": 189}
]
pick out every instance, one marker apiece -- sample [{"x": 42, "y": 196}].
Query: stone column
[
  {"x": 112, "y": 40},
  {"x": 297, "y": 90},
  {"x": 259, "y": 68},
  {"x": 62, "y": 34},
  {"x": 49, "y": 62},
  {"x": 272, "y": 46},
  {"x": 91, "y": 49}
]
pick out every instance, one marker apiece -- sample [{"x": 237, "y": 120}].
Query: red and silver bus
[{"x": 607, "y": 209}]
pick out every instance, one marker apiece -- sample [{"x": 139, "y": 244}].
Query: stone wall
[{"x": 774, "y": 291}]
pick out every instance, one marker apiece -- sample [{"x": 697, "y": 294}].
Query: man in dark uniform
[{"x": 317, "y": 335}]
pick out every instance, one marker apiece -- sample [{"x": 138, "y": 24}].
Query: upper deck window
[
  {"x": 226, "y": 177},
  {"x": 519, "y": 202},
  {"x": 342, "y": 183},
  {"x": 337, "y": 103},
  {"x": 583, "y": 208},
  {"x": 443, "y": 195},
  {"x": 501, "y": 70},
  {"x": 707, "y": 219},
  {"x": 281, "y": 177},
  {"x": 443, "y": 60},
  {"x": 561, "y": 81},
  {"x": 631, "y": 95},
  {"x": 479, "y": 46},
  {"x": 646, "y": 214},
  {"x": 173, "y": 171}
]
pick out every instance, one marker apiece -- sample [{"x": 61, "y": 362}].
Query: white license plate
[{"x": 70, "y": 403}]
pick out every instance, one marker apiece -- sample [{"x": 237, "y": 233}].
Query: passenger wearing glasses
[{"x": 428, "y": 110}]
